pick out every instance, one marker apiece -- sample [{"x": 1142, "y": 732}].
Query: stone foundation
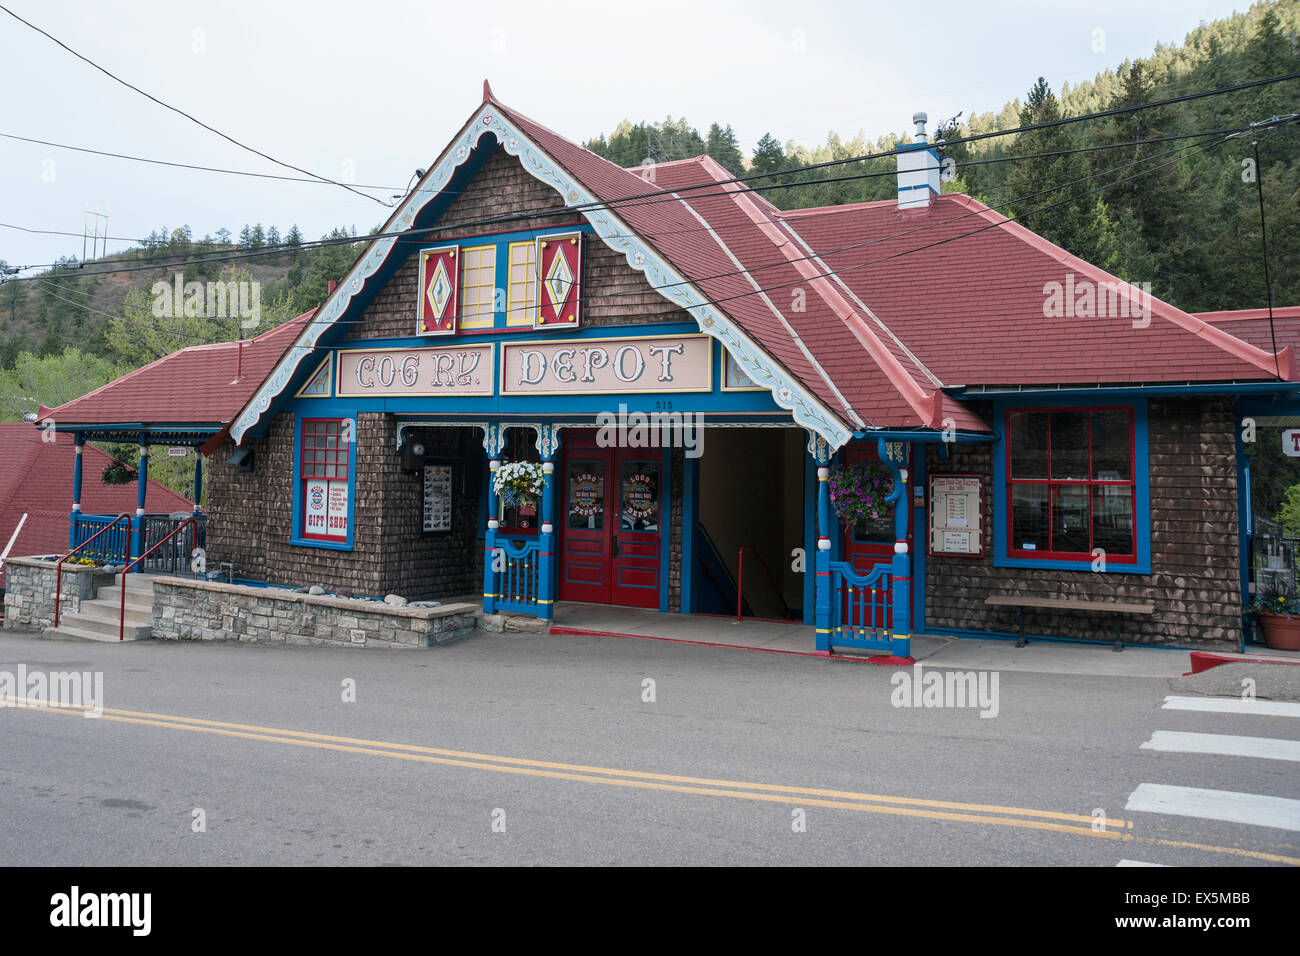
[
  {"x": 29, "y": 591},
  {"x": 205, "y": 611}
]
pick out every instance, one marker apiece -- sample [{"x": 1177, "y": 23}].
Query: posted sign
[
  {"x": 1291, "y": 442},
  {"x": 956, "y": 515}
]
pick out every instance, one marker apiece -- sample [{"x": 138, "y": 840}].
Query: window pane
[
  {"x": 1029, "y": 445},
  {"x": 1111, "y": 460},
  {"x": 586, "y": 494},
  {"x": 640, "y": 496},
  {"x": 1112, "y": 518},
  {"x": 1070, "y": 519},
  {"x": 1029, "y": 517},
  {"x": 1069, "y": 445}
]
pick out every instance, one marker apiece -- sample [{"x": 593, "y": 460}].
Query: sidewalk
[{"x": 937, "y": 651}]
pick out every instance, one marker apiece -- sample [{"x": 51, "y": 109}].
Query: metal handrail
[
  {"x": 121, "y": 620},
  {"x": 740, "y": 582},
  {"x": 58, "y": 574}
]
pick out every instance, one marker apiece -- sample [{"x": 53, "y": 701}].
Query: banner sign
[
  {"x": 445, "y": 370},
  {"x": 659, "y": 363}
]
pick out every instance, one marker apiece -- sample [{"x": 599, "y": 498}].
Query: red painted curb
[{"x": 1205, "y": 660}]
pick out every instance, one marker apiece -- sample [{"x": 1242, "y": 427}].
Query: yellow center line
[
  {"x": 277, "y": 732},
  {"x": 904, "y": 806}
]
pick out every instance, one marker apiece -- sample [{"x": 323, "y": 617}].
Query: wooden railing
[{"x": 518, "y": 582}]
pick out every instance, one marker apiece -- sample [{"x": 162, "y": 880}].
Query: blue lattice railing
[
  {"x": 860, "y": 607},
  {"x": 517, "y": 584},
  {"x": 112, "y": 547}
]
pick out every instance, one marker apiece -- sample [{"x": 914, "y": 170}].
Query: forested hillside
[{"x": 1191, "y": 228}]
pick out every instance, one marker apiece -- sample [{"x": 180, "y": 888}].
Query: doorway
[{"x": 613, "y": 508}]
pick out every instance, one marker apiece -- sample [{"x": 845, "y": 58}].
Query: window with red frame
[
  {"x": 323, "y": 477},
  {"x": 1070, "y": 483}
]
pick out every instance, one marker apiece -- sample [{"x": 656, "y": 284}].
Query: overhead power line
[{"x": 181, "y": 112}]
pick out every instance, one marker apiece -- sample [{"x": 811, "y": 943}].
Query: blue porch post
[
  {"x": 491, "y": 442},
  {"x": 546, "y": 447},
  {"x": 198, "y": 480},
  {"x": 76, "y": 489},
  {"x": 821, "y": 452},
  {"x": 141, "y": 484},
  {"x": 894, "y": 454}
]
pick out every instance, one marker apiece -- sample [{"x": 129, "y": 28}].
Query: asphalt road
[{"x": 508, "y": 749}]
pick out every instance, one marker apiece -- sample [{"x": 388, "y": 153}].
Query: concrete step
[
  {"x": 89, "y": 631},
  {"x": 136, "y": 600},
  {"x": 135, "y": 582},
  {"x": 137, "y": 615}
]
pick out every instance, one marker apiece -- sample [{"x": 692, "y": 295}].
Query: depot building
[{"x": 881, "y": 410}]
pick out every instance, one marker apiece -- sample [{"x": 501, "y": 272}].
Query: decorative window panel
[
  {"x": 521, "y": 296},
  {"x": 478, "y": 286},
  {"x": 439, "y": 293},
  {"x": 559, "y": 287}
]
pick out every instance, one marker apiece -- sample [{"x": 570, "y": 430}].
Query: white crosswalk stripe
[
  {"x": 1263, "y": 752},
  {"x": 1251, "y": 808},
  {"x": 1234, "y": 705},
  {"x": 1226, "y": 745}
]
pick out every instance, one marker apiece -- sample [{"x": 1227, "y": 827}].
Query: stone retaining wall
[
  {"x": 29, "y": 591},
  {"x": 207, "y": 611}
]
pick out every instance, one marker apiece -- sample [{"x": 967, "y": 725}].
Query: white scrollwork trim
[{"x": 672, "y": 285}]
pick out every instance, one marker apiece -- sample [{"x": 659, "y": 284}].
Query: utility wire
[{"x": 192, "y": 119}]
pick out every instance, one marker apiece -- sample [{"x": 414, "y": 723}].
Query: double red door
[
  {"x": 871, "y": 541},
  {"x": 610, "y": 502}
]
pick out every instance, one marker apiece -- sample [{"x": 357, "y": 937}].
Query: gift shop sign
[
  {"x": 659, "y": 363},
  {"x": 450, "y": 370},
  {"x": 327, "y": 509}
]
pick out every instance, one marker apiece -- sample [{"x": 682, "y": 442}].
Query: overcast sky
[{"x": 373, "y": 90}]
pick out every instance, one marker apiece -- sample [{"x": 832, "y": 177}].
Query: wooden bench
[{"x": 1117, "y": 608}]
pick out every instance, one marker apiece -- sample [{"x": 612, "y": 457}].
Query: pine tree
[{"x": 768, "y": 155}]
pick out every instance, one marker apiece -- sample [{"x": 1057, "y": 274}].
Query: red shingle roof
[
  {"x": 202, "y": 384},
  {"x": 36, "y": 479},
  {"x": 1252, "y": 325}
]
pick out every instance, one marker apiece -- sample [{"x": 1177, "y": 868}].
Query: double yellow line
[{"x": 988, "y": 814}]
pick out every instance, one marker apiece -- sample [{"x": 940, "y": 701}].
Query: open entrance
[
  {"x": 751, "y": 501},
  {"x": 613, "y": 506}
]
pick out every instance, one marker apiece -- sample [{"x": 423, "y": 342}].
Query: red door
[
  {"x": 611, "y": 544},
  {"x": 871, "y": 541}
]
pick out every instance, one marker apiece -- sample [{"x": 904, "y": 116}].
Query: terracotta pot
[{"x": 1281, "y": 631}]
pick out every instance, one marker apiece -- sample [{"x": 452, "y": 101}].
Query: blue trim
[
  {"x": 1141, "y": 473},
  {"x": 665, "y": 527},
  {"x": 1086, "y": 395},
  {"x": 809, "y": 541},
  {"x": 323, "y": 408},
  {"x": 690, "y": 492},
  {"x": 932, "y": 436},
  {"x": 920, "y": 540}
]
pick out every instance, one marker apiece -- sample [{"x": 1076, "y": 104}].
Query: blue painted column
[
  {"x": 198, "y": 480},
  {"x": 546, "y": 447},
  {"x": 76, "y": 490},
  {"x": 894, "y": 454},
  {"x": 821, "y": 453},
  {"x": 141, "y": 485},
  {"x": 491, "y": 442}
]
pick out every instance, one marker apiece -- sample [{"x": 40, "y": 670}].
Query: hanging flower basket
[
  {"x": 858, "y": 492},
  {"x": 518, "y": 483}
]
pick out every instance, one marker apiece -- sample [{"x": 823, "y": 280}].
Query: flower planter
[{"x": 1281, "y": 631}]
